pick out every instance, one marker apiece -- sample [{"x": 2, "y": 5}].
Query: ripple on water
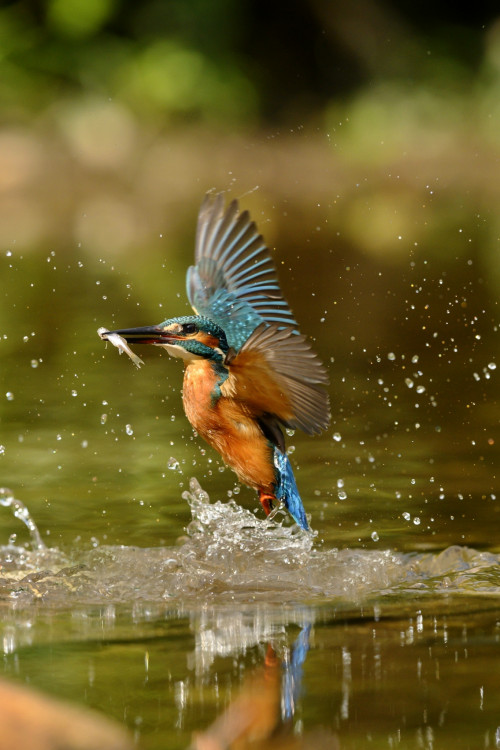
[{"x": 229, "y": 554}]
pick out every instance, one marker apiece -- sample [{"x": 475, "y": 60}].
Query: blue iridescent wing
[{"x": 234, "y": 282}]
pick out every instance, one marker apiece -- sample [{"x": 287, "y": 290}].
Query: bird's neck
[{"x": 206, "y": 374}]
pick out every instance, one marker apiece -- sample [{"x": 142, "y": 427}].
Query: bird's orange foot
[{"x": 267, "y": 502}]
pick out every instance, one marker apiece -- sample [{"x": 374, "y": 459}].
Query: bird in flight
[{"x": 248, "y": 371}]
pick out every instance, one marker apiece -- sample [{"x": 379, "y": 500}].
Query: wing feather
[
  {"x": 276, "y": 372},
  {"x": 234, "y": 281}
]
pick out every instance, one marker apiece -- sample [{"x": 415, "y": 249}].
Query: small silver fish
[{"x": 120, "y": 343}]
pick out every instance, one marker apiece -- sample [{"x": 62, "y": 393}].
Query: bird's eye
[{"x": 189, "y": 328}]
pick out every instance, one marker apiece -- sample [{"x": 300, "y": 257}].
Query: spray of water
[
  {"x": 21, "y": 512},
  {"x": 230, "y": 555}
]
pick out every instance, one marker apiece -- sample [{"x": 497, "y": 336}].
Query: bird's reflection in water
[
  {"x": 262, "y": 714},
  {"x": 292, "y": 673}
]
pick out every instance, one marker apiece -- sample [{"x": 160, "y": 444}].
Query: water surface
[{"x": 149, "y": 585}]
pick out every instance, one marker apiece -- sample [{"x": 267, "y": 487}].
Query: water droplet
[
  {"x": 414, "y": 359},
  {"x": 34, "y": 363},
  {"x": 420, "y": 389},
  {"x": 342, "y": 495},
  {"x": 416, "y": 521},
  {"x": 337, "y": 437},
  {"x": 391, "y": 356},
  {"x": 2, "y": 450},
  {"x": 375, "y": 536},
  {"x": 74, "y": 392},
  {"x": 104, "y": 418},
  {"x": 340, "y": 483},
  {"x": 409, "y": 382},
  {"x": 26, "y": 339},
  {"x": 172, "y": 464},
  {"x": 9, "y": 396},
  {"x": 128, "y": 429},
  {"x": 21, "y": 512},
  {"x": 406, "y": 516},
  {"x": 492, "y": 366}
]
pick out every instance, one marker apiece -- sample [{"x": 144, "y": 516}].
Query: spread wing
[
  {"x": 234, "y": 282},
  {"x": 277, "y": 373}
]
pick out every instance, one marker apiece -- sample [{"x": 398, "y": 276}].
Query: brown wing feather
[{"x": 276, "y": 372}]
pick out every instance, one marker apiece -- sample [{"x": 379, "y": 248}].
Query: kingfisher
[{"x": 249, "y": 373}]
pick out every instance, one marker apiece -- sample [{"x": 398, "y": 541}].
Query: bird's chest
[
  {"x": 227, "y": 425},
  {"x": 200, "y": 396}
]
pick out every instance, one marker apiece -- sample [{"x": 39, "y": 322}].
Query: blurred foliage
[
  {"x": 234, "y": 62},
  {"x": 148, "y": 55}
]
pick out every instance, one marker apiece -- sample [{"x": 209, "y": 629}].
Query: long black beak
[{"x": 143, "y": 335}]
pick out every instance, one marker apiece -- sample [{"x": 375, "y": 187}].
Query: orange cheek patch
[{"x": 207, "y": 339}]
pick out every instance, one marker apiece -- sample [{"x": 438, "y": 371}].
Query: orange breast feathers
[
  {"x": 228, "y": 423},
  {"x": 253, "y": 383}
]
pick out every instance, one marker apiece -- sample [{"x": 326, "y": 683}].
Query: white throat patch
[{"x": 179, "y": 351}]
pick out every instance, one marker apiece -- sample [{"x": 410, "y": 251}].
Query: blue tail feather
[{"x": 286, "y": 489}]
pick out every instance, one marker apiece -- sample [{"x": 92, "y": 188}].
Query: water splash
[
  {"x": 229, "y": 556},
  {"x": 21, "y": 512}
]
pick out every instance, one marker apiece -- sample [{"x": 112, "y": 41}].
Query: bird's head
[{"x": 189, "y": 337}]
